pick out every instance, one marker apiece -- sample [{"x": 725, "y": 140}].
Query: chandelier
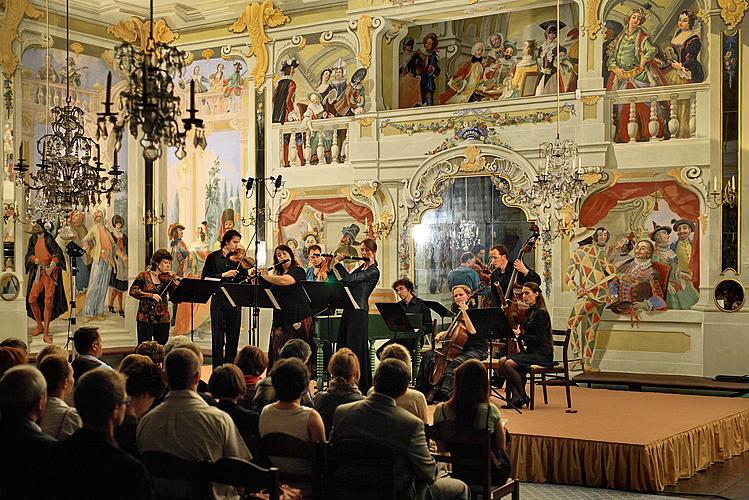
[
  {"x": 149, "y": 104},
  {"x": 561, "y": 182},
  {"x": 465, "y": 234},
  {"x": 65, "y": 179}
]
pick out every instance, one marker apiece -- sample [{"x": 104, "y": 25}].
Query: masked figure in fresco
[
  {"x": 118, "y": 281},
  {"x": 631, "y": 63},
  {"x": 641, "y": 284},
  {"x": 685, "y": 294},
  {"x": 45, "y": 294},
  {"x": 100, "y": 245},
  {"x": 466, "y": 79},
  {"x": 283, "y": 107},
  {"x": 587, "y": 274},
  {"x": 549, "y": 62}
]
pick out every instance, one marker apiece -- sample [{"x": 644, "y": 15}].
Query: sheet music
[
  {"x": 228, "y": 297},
  {"x": 351, "y": 298},
  {"x": 272, "y": 298},
  {"x": 208, "y": 278}
]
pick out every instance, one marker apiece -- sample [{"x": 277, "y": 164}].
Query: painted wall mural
[{"x": 101, "y": 275}]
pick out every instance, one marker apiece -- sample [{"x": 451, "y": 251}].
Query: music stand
[
  {"x": 442, "y": 311},
  {"x": 492, "y": 320},
  {"x": 193, "y": 291}
]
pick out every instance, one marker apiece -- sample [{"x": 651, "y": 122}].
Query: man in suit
[
  {"x": 87, "y": 342},
  {"x": 378, "y": 419},
  {"x": 23, "y": 397}
]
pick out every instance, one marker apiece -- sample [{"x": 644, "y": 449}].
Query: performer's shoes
[
  {"x": 86, "y": 319},
  {"x": 111, "y": 309},
  {"x": 517, "y": 403},
  {"x": 122, "y": 313},
  {"x": 101, "y": 317},
  {"x": 590, "y": 368}
]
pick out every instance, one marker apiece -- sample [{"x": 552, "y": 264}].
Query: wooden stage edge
[{"x": 625, "y": 440}]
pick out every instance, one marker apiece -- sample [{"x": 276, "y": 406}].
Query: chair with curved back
[
  {"x": 559, "y": 374},
  {"x": 360, "y": 469},
  {"x": 279, "y": 445}
]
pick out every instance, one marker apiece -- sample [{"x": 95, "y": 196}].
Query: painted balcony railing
[
  {"x": 215, "y": 104},
  {"x": 657, "y": 113},
  {"x": 37, "y": 92},
  {"x": 315, "y": 142}
]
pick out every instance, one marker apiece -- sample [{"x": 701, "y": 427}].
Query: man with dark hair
[
  {"x": 145, "y": 383},
  {"x": 23, "y": 396},
  {"x": 265, "y": 394},
  {"x": 87, "y": 342},
  {"x": 464, "y": 273},
  {"x": 411, "y": 304},
  {"x": 60, "y": 420},
  {"x": 110, "y": 472},
  {"x": 225, "y": 318},
  {"x": 500, "y": 258},
  {"x": 186, "y": 426},
  {"x": 378, "y": 419}
]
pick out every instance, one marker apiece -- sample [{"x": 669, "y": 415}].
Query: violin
[
  {"x": 168, "y": 281},
  {"x": 485, "y": 274},
  {"x": 240, "y": 257}
]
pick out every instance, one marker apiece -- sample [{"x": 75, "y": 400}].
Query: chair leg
[
  {"x": 569, "y": 397},
  {"x": 533, "y": 389},
  {"x": 516, "y": 491},
  {"x": 546, "y": 395}
]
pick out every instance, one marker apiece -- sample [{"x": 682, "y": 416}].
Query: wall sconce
[
  {"x": 150, "y": 218},
  {"x": 250, "y": 220},
  {"x": 719, "y": 197}
]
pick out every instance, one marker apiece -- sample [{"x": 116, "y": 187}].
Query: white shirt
[
  {"x": 187, "y": 427},
  {"x": 413, "y": 402},
  {"x": 59, "y": 419}
]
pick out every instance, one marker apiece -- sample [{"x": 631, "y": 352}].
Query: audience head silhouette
[
  {"x": 396, "y": 351},
  {"x": 227, "y": 382},
  {"x": 296, "y": 348},
  {"x": 182, "y": 368},
  {"x": 251, "y": 360},
  {"x": 290, "y": 378},
  {"x": 392, "y": 378},
  {"x": 87, "y": 341},
  {"x": 344, "y": 364},
  {"x": 57, "y": 373},
  {"x": 100, "y": 398},
  {"x": 23, "y": 393}
]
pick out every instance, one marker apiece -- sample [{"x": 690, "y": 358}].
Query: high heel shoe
[
  {"x": 111, "y": 309},
  {"x": 516, "y": 404}
]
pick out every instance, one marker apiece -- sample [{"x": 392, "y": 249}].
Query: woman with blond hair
[{"x": 412, "y": 400}]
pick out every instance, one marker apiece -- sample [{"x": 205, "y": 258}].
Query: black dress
[{"x": 536, "y": 336}]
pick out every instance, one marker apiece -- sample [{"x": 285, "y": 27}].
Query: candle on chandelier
[
  {"x": 162, "y": 210},
  {"x": 20, "y": 150},
  {"x": 733, "y": 183},
  {"x": 192, "y": 95},
  {"x": 715, "y": 183},
  {"x": 109, "y": 92}
]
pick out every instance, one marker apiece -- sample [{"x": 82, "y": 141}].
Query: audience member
[
  {"x": 253, "y": 362},
  {"x": 176, "y": 341},
  {"x": 412, "y": 401},
  {"x": 132, "y": 359},
  {"x": 264, "y": 392},
  {"x": 290, "y": 378},
  {"x": 181, "y": 341},
  {"x": 10, "y": 357},
  {"x": 145, "y": 383},
  {"x": 59, "y": 420},
  {"x": 468, "y": 407},
  {"x": 23, "y": 395},
  {"x": 153, "y": 350},
  {"x": 87, "y": 342},
  {"x": 378, "y": 419},
  {"x": 51, "y": 350},
  {"x": 227, "y": 385},
  {"x": 89, "y": 464},
  {"x": 17, "y": 343},
  {"x": 186, "y": 426},
  {"x": 343, "y": 388}
]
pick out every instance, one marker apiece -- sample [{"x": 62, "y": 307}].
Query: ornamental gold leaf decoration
[
  {"x": 473, "y": 161},
  {"x": 15, "y": 10},
  {"x": 594, "y": 24},
  {"x": 364, "y": 34},
  {"x": 134, "y": 30},
  {"x": 732, "y": 12}
]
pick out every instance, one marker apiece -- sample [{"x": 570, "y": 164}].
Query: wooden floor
[{"x": 729, "y": 479}]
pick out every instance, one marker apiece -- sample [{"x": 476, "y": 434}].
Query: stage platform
[{"x": 637, "y": 441}]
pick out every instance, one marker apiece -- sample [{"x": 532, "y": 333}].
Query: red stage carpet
[{"x": 625, "y": 440}]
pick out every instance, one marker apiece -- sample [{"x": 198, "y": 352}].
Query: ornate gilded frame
[{"x": 743, "y": 298}]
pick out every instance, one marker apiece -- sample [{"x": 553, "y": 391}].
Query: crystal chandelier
[
  {"x": 149, "y": 103},
  {"x": 561, "y": 182},
  {"x": 465, "y": 234},
  {"x": 65, "y": 179}
]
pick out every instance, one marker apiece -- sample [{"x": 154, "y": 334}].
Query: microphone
[{"x": 248, "y": 184}]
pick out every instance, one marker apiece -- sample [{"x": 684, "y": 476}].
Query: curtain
[{"x": 291, "y": 213}]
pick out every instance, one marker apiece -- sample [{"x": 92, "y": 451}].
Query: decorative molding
[
  {"x": 255, "y": 18},
  {"x": 326, "y": 38},
  {"x": 376, "y": 196},
  {"x": 590, "y": 100},
  {"x": 473, "y": 162},
  {"x": 732, "y": 12},
  {"x": 470, "y": 131},
  {"x": 594, "y": 24},
  {"x": 15, "y": 10},
  {"x": 207, "y": 53},
  {"x": 364, "y": 35},
  {"x": 135, "y": 30},
  {"x": 393, "y": 32}
]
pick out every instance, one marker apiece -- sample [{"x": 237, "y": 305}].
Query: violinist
[
  {"x": 502, "y": 273},
  {"x": 151, "y": 288},
  {"x": 474, "y": 347},
  {"x": 535, "y": 333},
  {"x": 319, "y": 269},
  {"x": 294, "y": 319},
  {"x": 225, "y": 318}
]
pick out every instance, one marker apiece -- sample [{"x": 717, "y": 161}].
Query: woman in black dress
[
  {"x": 354, "y": 330},
  {"x": 536, "y": 336}
]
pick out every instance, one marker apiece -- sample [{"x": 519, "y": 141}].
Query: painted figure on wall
[
  {"x": 466, "y": 79},
  {"x": 685, "y": 292},
  {"x": 611, "y": 30},
  {"x": 217, "y": 79},
  {"x": 118, "y": 281},
  {"x": 429, "y": 68},
  {"x": 632, "y": 64},
  {"x": 45, "y": 297},
  {"x": 100, "y": 245},
  {"x": 409, "y": 83},
  {"x": 527, "y": 67},
  {"x": 74, "y": 231},
  {"x": 233, "y": 87},
  {"x": 589, "y": 273},
  {"x": 494, "y": 48},
  {"x": 178, "y": 249},
  {"x": 641, "y": 284},
  {"x": 228, "y": 221},
  {"x": 283, "y": 106},
  {"x": 549, "y": 63},
  {"x": 347, "y": 245}
]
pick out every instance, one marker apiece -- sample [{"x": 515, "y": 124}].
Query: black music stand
[
  {"x": 325, "y": 297},
  {"x": 193, "y": 291},
  {"x": 396, "y": 318},
  {"x": 442, "y": 311},
  {"x": 245, "y": 295},
  {"x": 491, "y": 322}
]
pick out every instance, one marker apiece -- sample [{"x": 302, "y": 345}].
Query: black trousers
[
  {"x": 225, "y": 324},
  {"x": 354, "y": 334},
  {"x": 152, "y": 331}
]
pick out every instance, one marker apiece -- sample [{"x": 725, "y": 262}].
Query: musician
[
  {"x": 464, "y": 273},
  {"x": 318, "y": 269},
  {"x": 294, "y": 319},
  {"x": 411, "y": 304},
  {"x": 225, "y": 318},
  {"x": 536, "y": 336},
  {"x": 150, "y": 288},
  {"x": 354, "y": 329},
  {"x": 499, "y": 257},
  {"x": 475, "y": 347}
]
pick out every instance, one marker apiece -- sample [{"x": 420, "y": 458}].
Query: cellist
[
  {"x": 474, "y": 347},
  {"x": 502, "y": 272}
]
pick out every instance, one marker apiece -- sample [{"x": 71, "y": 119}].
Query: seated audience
[
  {"x": 227, "y": 385},
  {"x": 378, "y": 419},
  {"x": 132, "y": 359},
  {"x": 17, "y": 343},
  {"x": 51, "y": 350},
  {"x": 468, "y": 407},
  {"x": 153, "y": 350},
  {"x": 183, "y": 341},
  {"x": 23, "y": 395},
  {"x": 186, "y": 426},
  {"x": 343, "y": 388},
  {"x": 87, "y": 342},
  {"x": 253, "y": 362},
  {"x": 89, "y": 464},
  {"x": 412, "y": 401},
  {"x": 145, "y": 383},
  {"x": 264, "y": 392},
  {"x": 59, "y": 419},
  {"x": 10, "y": 357},
  {"x": 287, "y": 416}
]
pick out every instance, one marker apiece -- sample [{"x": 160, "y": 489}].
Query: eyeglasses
[
  {"x": 125, "y": 401},
  {"x": 314, "y": 255}
]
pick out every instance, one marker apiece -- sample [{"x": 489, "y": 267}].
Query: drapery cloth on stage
[{"x": 290, "y": 214}]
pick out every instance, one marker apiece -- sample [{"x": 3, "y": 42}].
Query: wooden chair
[
  {"x": 360, "y": 469},
  {"x": 251, "y": 477},
  {"x": 279, "y": 445},
  {"x": 175, "y": 478},
  {"x": 470, "y": 466},
  {"x": 559, "y": 373}
]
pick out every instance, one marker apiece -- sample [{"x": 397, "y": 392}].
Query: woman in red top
[{"x": 150, "y": 288}]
